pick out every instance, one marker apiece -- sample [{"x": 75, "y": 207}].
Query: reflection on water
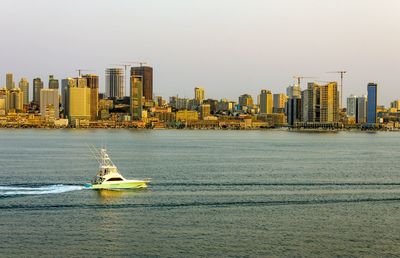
[{"x": 112, "y": 196}]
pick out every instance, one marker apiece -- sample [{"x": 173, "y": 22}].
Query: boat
[{"x": 109, "y": 177}]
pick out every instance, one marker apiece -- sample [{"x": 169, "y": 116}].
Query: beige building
[
  {"x": 187, "y": 115},
  {"x": 49, "y": 104},
  {"x": 266, "y": 102},
  {"x": 136, "y": 94},
  {"x": 280, "y": 100},
  {"x": 199, "y": 95},
  {"x": 9, "y": 81},
  {"x": 24, "y": 86},
  {"x": 205, "y": 110},
  {"x": 78, "y": 103},
  {"x": 92, "y": 82}
]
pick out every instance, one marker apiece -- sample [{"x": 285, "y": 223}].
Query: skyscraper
[
  {"x": 329, "y": 103},
  {"x": 9, "y": 81},
  {"x": 279, "y": 103},
  {"x": 76, "y": 99},
  {"x": 49, "y": 103},
  {"x": 37, "y": 86},
  {"x": 372, "y": 102},
  {"x": 361, "y": 111},
  {"x": 136, "y": 97},
  {"x": 115, "y": 83},
  {"x": 24, "y": 86},
  {"x": 92, "y": 82},
  {"x": 351, "y": 109},
  {"x": 199, "y": 95},
  {"x": 53, "y": 83},
  {"x": 16, "y": 99},
  {"x": 245, "y": 100},
  {"x": 266, "y": 102},
  {"x": 293, "y": 108},
  {"x": 205, "y": 110},
  {"x": 321, "y": 103},
  {"x": 147, "y": 74}
]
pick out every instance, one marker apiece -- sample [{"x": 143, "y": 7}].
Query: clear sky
[{"x": 230, "y": 47}]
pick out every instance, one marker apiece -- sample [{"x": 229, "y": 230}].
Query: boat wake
[{"x": 37, "y": 190}]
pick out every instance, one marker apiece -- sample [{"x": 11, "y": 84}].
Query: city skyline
[{"x": 230, "y": 49}]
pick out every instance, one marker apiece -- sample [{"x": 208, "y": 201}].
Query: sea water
[{"x": 213, "y": 193}]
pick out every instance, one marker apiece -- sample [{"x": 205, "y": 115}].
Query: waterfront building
[
  {"x": 321, "y": 103},
  {"x": 213, "y": 104},
  {"x": 351, "y": 109},
  {"x": 147, "y": 80},
  {"x": 24, "y": 86},
  {"x": 205, "y": 110},
  {"x": 199, "y": 95},
  {"x": 49, "y": 104},
  {"x": 294, "y": 113},
  {"x": 10, "y": 81},
  {"x": 245, "y": 100},
  {"x": 280, "y": 100},
  {"x": 329, "y": 103},
  {"x": 266, "y": 102},
  {"x": 92, "y": 82},
  {"x": 304, "y": 105},
  {"x": 16, "y": 99},
  {"x": 226, "y": 105},
  {"x": 187, "y": 115},
  {"x": 53, "y": 83},
  {"x": 115, "y": 83},
  {"x": 136, "y": 94},
  {"x": 37, "y": 87},
  {"x": 361, "y": 111},
  {"x": 372, "y": 102},
  {"x": 77, "y": 99},
  {"x": 293, "y": 91}
]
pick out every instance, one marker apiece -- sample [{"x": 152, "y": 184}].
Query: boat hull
[{"x": 120, "y": 185}]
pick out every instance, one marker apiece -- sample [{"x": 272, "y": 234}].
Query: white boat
[{"x": 108, "y": 176}]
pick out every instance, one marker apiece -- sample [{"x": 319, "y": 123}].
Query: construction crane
[
  {"x": 299, "y": 79},
  {"x": 137, "y": 62},
  {"x": 83, "y": 70},
  {"x": 341, "y": 85}
]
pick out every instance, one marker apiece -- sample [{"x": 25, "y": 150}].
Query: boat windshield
[{"x": 115, "y": 179}]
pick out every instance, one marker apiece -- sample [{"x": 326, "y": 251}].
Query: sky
[{"x": 229, "y": 47}]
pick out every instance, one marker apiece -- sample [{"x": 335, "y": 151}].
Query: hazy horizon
[{"x": 228, "y": 47}]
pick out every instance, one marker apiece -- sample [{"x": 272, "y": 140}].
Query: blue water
[{"x": 213, "y": 193}]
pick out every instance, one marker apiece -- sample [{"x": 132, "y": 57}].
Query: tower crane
[
  {"x": 298, "y": 78},
  {"x": 83, "y": 70},
  {"x": 342, "y": 72},
  {"x": 140, "y": 63}
]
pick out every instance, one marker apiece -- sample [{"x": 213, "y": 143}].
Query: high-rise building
[
  {"x": 372, "y": 102},
  {"x": 147, "y": 77},
  {"x": 293, "y": 108},
  {"x": 279, "y": 103},
  {"x": 16, "y": 99},
  {"x": 351, "y": 109},
  {"x": 115, "y": 83},
  {"x": 321, "y": 103},
  {"x": 136, "y": 104},
  {"x": 329, "y": 103},
  {"x": 92, "y": 82},
  {"x": 205, "y": 110},
  {"x": 304, "y": 106},
  {"x": 49, "y": 104},
  {"x": 9, "y": 81},
  {"x": 24, "y": 86},
  {"x": 266, "y": 102},
  {"x": 361, "y": 111},
  {"x": 245, "y": 100},
  {"x": 53, "y": 83},
  {"x": 293, "y": 91},
  {"x": 76, "y": 99},
  {"x": 199, "y": 95},
  {"x": 37, "y": 87}
]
